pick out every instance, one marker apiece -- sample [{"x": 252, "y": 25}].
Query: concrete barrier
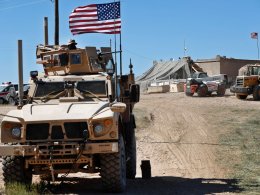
[{"x": 158, "y": 89}]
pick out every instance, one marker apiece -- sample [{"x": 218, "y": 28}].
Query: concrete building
[{"x": 223, "y": 65}]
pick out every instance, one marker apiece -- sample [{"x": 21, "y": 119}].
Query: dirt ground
[{"x": 180, "y": 137}]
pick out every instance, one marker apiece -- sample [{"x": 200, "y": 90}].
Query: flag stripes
[{"x": 96, "y": 18}]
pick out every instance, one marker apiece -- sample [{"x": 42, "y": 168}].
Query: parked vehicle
[
  {"x": 8, "y": 93},
  {"x": 205, "y": 85},
  {"x": 248, "y": 82},
  {"x": 79, "y": 118}
]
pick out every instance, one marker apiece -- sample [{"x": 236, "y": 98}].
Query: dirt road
[{"x": 179, "y": 135}]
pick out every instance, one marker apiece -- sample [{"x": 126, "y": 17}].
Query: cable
[
  {"x": 22, "y": 5},
  {"x": 82, "y": 147}
]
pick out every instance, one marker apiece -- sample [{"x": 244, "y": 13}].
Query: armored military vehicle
[{"x": 78, "y": 118}]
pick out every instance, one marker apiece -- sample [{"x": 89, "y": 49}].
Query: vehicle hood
[{"x": 60, "y": 112}]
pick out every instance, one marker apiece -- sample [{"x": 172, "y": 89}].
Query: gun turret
[{"x": 59, "y": 60}]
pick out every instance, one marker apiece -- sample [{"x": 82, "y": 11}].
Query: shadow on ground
[{"x": 155, "y": 185}]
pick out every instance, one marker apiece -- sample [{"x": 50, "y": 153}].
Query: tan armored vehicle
[{"x": 78, "y": 119}]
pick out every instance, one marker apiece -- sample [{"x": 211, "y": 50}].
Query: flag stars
[{"x": 108, "y": 11}]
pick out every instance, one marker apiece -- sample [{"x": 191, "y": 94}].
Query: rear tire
[
  {"x": 2, "y": 101},
  {"x": 256, "y": 93},
  {"x": 189, "y": 94},
  {"x": 113, "y": 169},
  {"x": 130, "y": 149},
  {"x": 11, "y": 101},
  {"x": 14, "y": 170},
  {"x": 202, "y": 91},
  {"x": 221, "y": 90},
  {"x": 241, "y": 97}
]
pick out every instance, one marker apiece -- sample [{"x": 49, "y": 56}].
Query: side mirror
[
  {"x": 34, "y": 74},
  {"x": 134, "y": 93},
  {"x": 110, "y": 68},
  {"x": 118, "y": 107}
]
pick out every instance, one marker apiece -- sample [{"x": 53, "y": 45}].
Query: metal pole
[
  {"x": 56, "y": 36},
  {"x": 20, "y": 71},
  {"x": 116, "y": 80},
  {"x": 116, "y": 71},
  {"x": 120, "y": 47},
  {"x": 257, "y": 48},
  {"x": 46, "y": 38}
]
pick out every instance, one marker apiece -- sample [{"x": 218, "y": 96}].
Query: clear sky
[{"x": 151, "y": 30}]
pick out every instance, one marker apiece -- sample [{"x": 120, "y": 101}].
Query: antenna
[
  {"x": 56, "y": 10},
  {"x": 184, "y": 49}
]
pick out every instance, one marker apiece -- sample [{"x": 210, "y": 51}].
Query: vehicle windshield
[
  {"x": 87, "y": 88},
  {"x": 199, "y": 75},
  {"x": 254, "y": 70},
  {"x": 2, "y": 87}
]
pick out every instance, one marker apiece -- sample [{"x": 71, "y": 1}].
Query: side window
[
  {"x": 95, "y": 65},
  {"x": 48, "y": 57},
  {"x": 75, "y": 58},
  {"x": 60, "y": 59},
  {"x": 63, "y": 59},
  {"x": 16, "y": 87},
  {"x": 6, "y": 89},
  {"x": 56, "y": 59},
  {"x": 203, "y": 75}
]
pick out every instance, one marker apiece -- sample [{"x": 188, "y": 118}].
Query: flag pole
[
  {"x": 120, "y": 55},
  {"x": 257, "y": 48},
  {"x": 115, "y": 55},
  {"x": 120, "y": 45}
]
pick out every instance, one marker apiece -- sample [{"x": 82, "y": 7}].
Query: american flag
[
  {"x": 254, "y": 35},
  {"x": 96, "y": 18}
]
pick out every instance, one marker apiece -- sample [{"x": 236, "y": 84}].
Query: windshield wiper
[
  {"x": 89, "y": 92},
  {"x": 48, "y": 96}
]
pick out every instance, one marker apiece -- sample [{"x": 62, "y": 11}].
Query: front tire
[
  {"x": 241, "y": 97},
  {"x": 130, "y": 149},
  {"x": 113, "y": 169},
  {"x": 14, "y": 170},
  {"x": 11, "y": 101},
  {"x": 256, "y": 93},
  {"x": 221, "y": 90},
  {"x": 189, "y": 94},
  {"x": 202, "y": 91}
]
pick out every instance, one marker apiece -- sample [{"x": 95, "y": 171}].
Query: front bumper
[
  {"x": 58, "y": 149},
  {"x": 240, "y": 90},
  {"x": 190, "y": 88}
]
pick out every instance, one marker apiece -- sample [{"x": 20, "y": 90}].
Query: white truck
[
  {"x": 8, "y": 93},
  {"x": 204, "y": 85}
]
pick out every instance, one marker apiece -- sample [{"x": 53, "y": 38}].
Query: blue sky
[{"x": 151, "y": 30}]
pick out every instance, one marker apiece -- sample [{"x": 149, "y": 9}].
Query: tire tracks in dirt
[{"x": 177, "y": 140}]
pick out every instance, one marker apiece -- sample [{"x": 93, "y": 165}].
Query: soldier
[{"x": 72, "y": 44}]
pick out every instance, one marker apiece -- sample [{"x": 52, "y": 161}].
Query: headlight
[
  {"x": 102, "y": 127},
  {"x": 98, "y": 129},
  {"x": 16, "y": 132}
]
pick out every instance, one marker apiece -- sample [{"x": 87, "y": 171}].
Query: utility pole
[{"x": 56, "y": 35}]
